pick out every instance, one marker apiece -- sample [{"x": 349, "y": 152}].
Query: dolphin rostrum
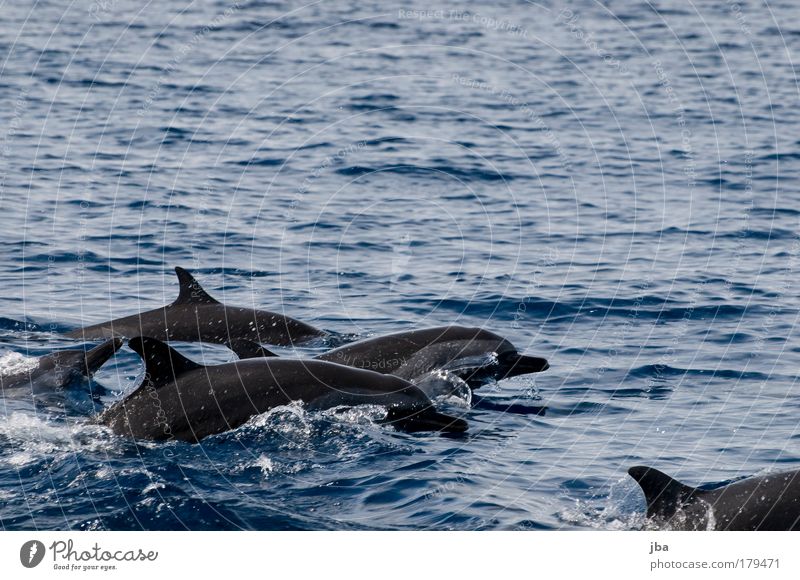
[
  {"x": 767, "y": 502},
  {"x": 180, "y": 399},
  {"x": 197, "y": 317}
]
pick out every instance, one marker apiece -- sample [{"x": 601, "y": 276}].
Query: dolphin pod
[
  {"x": 435, "y": 359},
  {"x": 197, "y": 317},
  {"x": 180, "y": 399},
  {"x": 769, "y": 502},
  {"x": 58, "y": 369}
]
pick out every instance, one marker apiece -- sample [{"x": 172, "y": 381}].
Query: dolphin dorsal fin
[
  {"x": 248, "y": 349},
  {"x": 190, "y": 290},
  {"x": 664, "y": 494},
  {"x": 162, "y": 363}
]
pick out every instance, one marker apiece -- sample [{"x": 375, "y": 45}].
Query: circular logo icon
[{"x": 31, "y": 553}]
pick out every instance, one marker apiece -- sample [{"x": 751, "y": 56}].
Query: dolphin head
[
  {"x": 510, "y": 363},
  {"x": 513, "y": 364},
  {"x": 491, "y": 357}
]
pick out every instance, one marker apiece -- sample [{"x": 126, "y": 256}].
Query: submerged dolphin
[
  {"x": 430, "y": 358},
  {"x": 768, "y": 502},
  {"x": 58, "y": 369},
  {"x": 197, "y": 317},
  {"x": 180, "y": 399}
]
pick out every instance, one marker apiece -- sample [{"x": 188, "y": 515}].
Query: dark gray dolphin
[
  {"x": 58, "y": 369},
  {"x": 197, "y": 317},
  {"x": 768, "y": 502},
  {"x": 472, "y": 355},
  {"x": 180, "y": 399}
]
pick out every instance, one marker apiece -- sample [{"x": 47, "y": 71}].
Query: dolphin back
[
  {"x": 195, "y": 316},
  {"x": 183, "y": 400}
]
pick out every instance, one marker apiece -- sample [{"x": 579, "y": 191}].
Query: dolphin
[
  {"x": 474, "y": 355},
  {"x": 435, "y": 359},
  {"x": 59, "y": 369},
  {"x": 180, "y": 399},
  {"x": 197, "y": 317},
  {"x": 768, "y": 502}
]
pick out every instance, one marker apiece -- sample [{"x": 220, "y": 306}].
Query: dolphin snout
[{"x": 520, "y": 364}]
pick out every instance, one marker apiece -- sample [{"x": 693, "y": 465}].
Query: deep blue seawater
[{"x": 612, "y": 186}]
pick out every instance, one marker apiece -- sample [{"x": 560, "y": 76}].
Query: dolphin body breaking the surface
[
  {"x": 197, "y": 317},
  {"x": 180, "y": 399},
  {"x": 58, "y": 369},
  {"x": 768, "y": 502},
  {"x": 474, "y": 355},
  {"x": 435, "y": 359}
]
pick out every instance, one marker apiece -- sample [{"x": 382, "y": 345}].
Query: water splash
[{"x": 12, "y": 363}]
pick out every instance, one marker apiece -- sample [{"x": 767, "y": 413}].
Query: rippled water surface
[{"x": 612, "y": 187}]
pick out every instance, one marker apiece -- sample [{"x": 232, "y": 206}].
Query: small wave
[
  {"x": 170, "y": 513},
  {"x": 65, "y": 257},
  {"x": 580, "y": 408},
  {"x": 174, "y": 134},
  {"x": 461, "y": 173},
  {"x": 653, "y": 391},
  {"x": 269, "y": 467},
  {"x": 662, "y": 370},
  {"x": 18, "y": 325},
  {"x": 644, "y": 308},
  {"x": 261, "y": 162},
  {"x": 774, "y": 211}
]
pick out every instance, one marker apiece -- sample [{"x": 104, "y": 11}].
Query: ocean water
[{"x": 610, "y": 186}]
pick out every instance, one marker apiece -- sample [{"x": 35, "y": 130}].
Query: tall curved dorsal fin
[
  {"x": 248, "y": 349},
  {"x": 190, "y": 290},
  {"x": 664, "y": 495},
  {"x": 162, "y": 363}
]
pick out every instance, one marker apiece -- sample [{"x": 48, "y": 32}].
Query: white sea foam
[
  {"x": 445, "y": 387},
  {"x": 33, "y": 438},
  {"x": 12, "y": 363},
  {"x": 360, "y": 415},
  {"x": 152, "y": 486},
  {"x": 265, "y": 464},
  {"x": 622, "y": 509}
]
